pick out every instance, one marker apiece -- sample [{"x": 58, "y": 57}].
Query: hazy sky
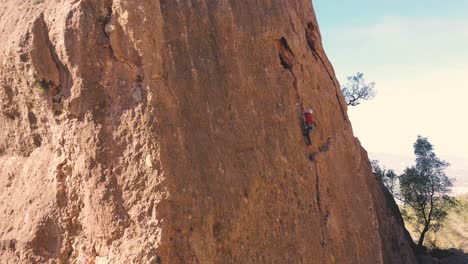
[{"x": 417, "y": 53}]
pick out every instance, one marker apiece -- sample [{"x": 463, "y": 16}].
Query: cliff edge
[{"x": 163, "y": 131}]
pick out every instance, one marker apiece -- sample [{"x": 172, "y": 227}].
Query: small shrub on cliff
[{"x": 43, "y": 86}]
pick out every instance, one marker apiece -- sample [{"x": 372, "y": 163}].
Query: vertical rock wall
[{"x": 163, "y": 131}]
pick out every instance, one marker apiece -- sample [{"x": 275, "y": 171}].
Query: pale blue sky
[
  {"x": 334, "y": 13},
  {"x": 417, "y": 53}
]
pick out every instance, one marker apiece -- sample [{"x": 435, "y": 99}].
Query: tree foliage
[
  {"x": 388, "y": 177},
  {"x": 425, "y": 189},
  {"x": 357, "y": 90}
]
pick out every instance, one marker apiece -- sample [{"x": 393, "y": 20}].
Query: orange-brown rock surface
[{"x": 169, "y": 131}]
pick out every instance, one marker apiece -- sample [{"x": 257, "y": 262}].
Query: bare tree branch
[{"x": 357, "y": 90}]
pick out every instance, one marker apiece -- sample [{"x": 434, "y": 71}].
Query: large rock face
[{"x": 164, "y": 131}]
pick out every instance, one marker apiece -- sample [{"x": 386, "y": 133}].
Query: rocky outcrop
[{"x": 170, "y": 132}]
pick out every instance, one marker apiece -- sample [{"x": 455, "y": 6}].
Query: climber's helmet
[{"x": 310, "y": 111}]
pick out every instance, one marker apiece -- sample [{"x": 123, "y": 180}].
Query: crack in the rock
[
  {"x": 65, "y": 81},
  {"x": 106, "y": 21},
  {"x": 311, "y": 40},
  {"x": 287, "y": 59},
  {"x": 323, "y": 216},
  {"x": 296, "y": 89},
  {"x": 64, "y": 73},
  {"x": 323, "y": 241},
  {"x": 317, "y": 188}
]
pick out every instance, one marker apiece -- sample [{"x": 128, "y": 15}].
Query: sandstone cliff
[{"x": 168, "y": 131}]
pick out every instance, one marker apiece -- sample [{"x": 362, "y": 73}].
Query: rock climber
[{"x": 309, "y": 125}]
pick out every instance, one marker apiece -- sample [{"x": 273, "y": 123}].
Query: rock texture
[{"x": 169, "y": 131}]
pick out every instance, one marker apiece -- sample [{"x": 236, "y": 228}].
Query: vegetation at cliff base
[
  {"x": 424, "y": 190},
  {"x": 454, "y": 231}
]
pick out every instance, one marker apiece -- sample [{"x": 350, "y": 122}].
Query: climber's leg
[
  {"x": 309, "y": 141},
  {"x": 307, "y": 135}
]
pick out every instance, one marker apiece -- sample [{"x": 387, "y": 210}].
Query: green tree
[
  {"x": 425, "y": 189},
  {"x": 357, "y": 90},
  {"x": 388, "y": 177}
]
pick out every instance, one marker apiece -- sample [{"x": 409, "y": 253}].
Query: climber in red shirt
[{"x": 309, "y": 125}]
